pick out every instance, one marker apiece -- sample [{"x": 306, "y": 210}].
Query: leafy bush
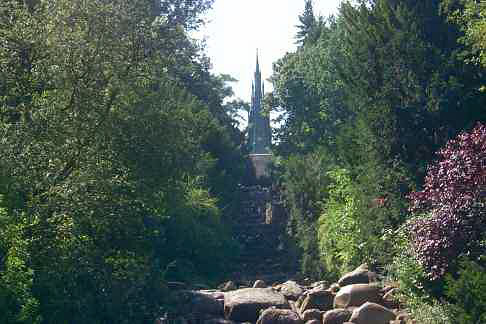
[
  {"x": 340, "y": 241},
  {"x": 468, "y": 293},
  {"x": 453, "y": 196},
  {"x": 414, "y": 283},
  {"x": 304, "y": 182},
  {"x": 17, "y": 303}
]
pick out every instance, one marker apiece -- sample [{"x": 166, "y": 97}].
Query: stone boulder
[
  {"x": 228, "y": 286},
  {"x": 279, "y": 316},
  {"x": 300, "y": 300},
  {"x": 259, "y": 284},
  {"x": 356, "y": 295},
  {"x": 334, "y": 288},
  {"x": 202, "y": 303},
  {"x": 213, "y": 293},
  {"x": 390, "y": 298},
  {"x": 403, "y": 318},
  {"x": 293, "y": 306},
  {"x": 317, "y": 299},
  {"x": 357, "y": 276},
  {"x": 245, "y": 304},
  {"x": 319, "y": 284},
  {"x": 336, "y": 316},
  {"x": 195, "y": 302},
  {"x": 311, "y": 314},
  {"x": 291, "y": 290},
  {"x": 371, "y": 313}
]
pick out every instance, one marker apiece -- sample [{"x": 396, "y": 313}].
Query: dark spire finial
[{"x": 257, "y": 65}]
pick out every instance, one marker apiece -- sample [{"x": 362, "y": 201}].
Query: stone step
[{"x": 260, "y": 254}]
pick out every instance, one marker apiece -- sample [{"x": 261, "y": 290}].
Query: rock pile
[{"x": 357, "y": 298}]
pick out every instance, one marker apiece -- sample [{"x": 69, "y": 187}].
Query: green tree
[
  {"x": 470, "y": 15},
  {"x": 107, "y": 117},
  {"x": 380, "y": 89},
  {"x": 308, "y": 23}
]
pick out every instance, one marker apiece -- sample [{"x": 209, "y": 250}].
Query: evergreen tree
[{"x": 307, "y": 24}]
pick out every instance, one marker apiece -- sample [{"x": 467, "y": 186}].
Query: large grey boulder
[
  {"x": 317, "y": 299},
  {"x": 245, "y": 304},
  {"x": 196, "y": 302},
  {"x": 356, "y": 295},
  {"x": 322, "y": 285},
  {"x": 279, "y": 316},
  {"x": 359, "y": 275},
  {"x": 371, "y": 313},
  {"x": 213, "y": 293},
  {"x": 259, "y": 284},
  {"x": 300, "y": 300},
  {"x": 311, "y": 314},
  {"x": 336, "y": 316},
  {"x": 293, "y": 306},
  {"x": 291, "y": 290},
  {"x": 203, "y": 303}
]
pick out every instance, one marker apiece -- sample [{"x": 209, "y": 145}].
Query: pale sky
[{"x": 236, "y": 28}]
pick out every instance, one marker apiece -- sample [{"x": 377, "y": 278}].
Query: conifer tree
[{"x": 307, "y": 23}]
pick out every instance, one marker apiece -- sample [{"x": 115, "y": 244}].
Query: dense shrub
[
  {"x": 468, "y": 293},
  {"x": 415, "y": 287},
  {"x": 304, "y": 184},
  {"x": 453, "y": 197},
  {"x": 358, "y": 213},
  {"x": 340, "y": 244}
]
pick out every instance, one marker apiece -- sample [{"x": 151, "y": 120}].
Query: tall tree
[
  {"x": 111, "y": 129},
  {"x": 308, "y": 23}
]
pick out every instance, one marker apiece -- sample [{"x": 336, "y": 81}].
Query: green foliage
[
  {"x": 17, "y": 303},
  {"x": 355, "y": 219},
  {"x": 309, "y": 27},
  {"x": 304, "y": 183},
  {"x": 379, "y": 89},
  {"x": 339, "y": 232},
  {"x": 414, "y": 284},
  {"x": 470, "y": 16},
  {"x": 309, "y": 94},
  {"x": 117, "y": 159},
  {"x": 468, "y": 293}
]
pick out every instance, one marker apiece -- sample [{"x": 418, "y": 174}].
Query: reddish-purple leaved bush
[{"x": 454, "y": 197}]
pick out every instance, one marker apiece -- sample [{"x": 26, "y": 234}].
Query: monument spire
[
  {"x": 258, "y": 124},
  {"x": 259, "y": 131}
]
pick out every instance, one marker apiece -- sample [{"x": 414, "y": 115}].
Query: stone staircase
[{"x": 260, "y": 230}]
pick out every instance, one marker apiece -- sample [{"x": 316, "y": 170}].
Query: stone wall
[{"x": 261, "y": 165}]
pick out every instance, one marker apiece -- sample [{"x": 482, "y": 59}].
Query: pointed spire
[
  {"x": 259, "y": 137},
  {"x": 257, "y": 65}
]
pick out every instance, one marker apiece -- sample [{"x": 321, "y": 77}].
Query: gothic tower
[{"x": 259, "y": 132}]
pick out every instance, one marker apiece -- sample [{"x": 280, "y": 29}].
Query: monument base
[{"x": 261, "y": 165}]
